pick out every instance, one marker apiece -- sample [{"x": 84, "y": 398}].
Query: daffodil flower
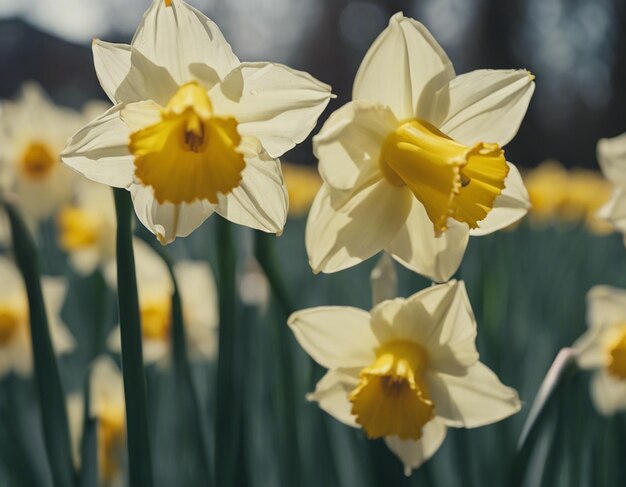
[
  {"x": 193, "y": 130},
  {"x": 32, "y": 133},
  {"x": 405, "y": 371},
  {"x": 612, "y": 158},
  {"x": 87, "y": 227},
  {"x": 414, "y": 164},
  {"x": 603, "y": 348},
  {"x": 198, "y": 294},
  {"x": 15, "y": 341},
  {"x": 106, "y": 402}
]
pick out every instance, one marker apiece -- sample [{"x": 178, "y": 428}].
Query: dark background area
[{"x": 576, "y": 49}]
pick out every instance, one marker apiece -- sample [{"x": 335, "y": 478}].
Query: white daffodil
[
  {"x": 603, "y": 347},
  {"x": 87, "y": 226},
  {"x": 106, "y": 403},
  {"x": 194, "y": 130},
  {"x": 15, "y": 344},
  {"x": 414, "y": 164},
  {"x": 154, "y": 285},
  {"x": 32, "y": 133},
  {"x": 405, "y": 371},
  {"x": 612, "y": 158}
]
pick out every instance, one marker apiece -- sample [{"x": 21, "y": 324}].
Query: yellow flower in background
[
  {"x": 414, "y": 164},
  {"x": 612, "y": 159},
  {"x": 87, "y": 227},
  {"x": 547, "y": 187},
  {"x": 33, "y": 132},
  {"x": 303, "y": 183},
  {"x": 198, "y": 294},
  {"x": 194, "y": 131},
  {"x": 107, "y": 405},
  {"x": 588, "y": 192},
  {"x": 603, "y": 348},
  {"x": 15, "y": 343},
  {"x": 405, "y": 371},
  {"x": 567, "y": 195}
]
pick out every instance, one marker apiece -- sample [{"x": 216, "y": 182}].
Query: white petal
[
  {"x": 331, "y": 393},
  {"x": 591, "y": 348},
  {"x": 127, "y": 76},
  {"x": 274, "y": 103},
  {"x": 414, "y": 453},
  {"x": 348, "y": 146},
  {"x": 99, "y": 151},
  {"x": 106, "y": 386},
  {"x": 198, "y": 293},
  {"x": 440, "y": 318},
  {"x": 612, "y": 158},
  {"x": 179, "y": 36},
  {"x": 475, "y": 399},
  {"x": 260, "y": 201},
  {"x": 168, "y": 221},
  {"x": 614, "y": 211},
  {"x": 335, "y": 336},
  {"x": 140, "y": 114},
  {"x": 112, "y": 63},
  {"x": 345, "y": 229},
  {"x": 606, "y": 306},
  {"x": 512, "y": 204},
  {"x": 487, "y": 105},
  {"x": 608, "y": 393},
  {"x": 403, "y": 68},
  {"x": 416, "y": 247}
]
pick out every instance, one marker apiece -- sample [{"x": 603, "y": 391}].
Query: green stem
[
  {"x": 188, "y": 393},
  {"x": 266, "y": 256},
  {"x": 228, "y": 400},
  {"x": 88, "y": 476},
  {"x": 47, "y": 379},
  {"x": 139, "y": 459},
  {"x": 561, "y": 369}
]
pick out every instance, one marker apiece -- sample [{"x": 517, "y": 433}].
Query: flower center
[
  {"x": 12, "y": 316},
  {"x": 156, "y": 318},
  {"x": 391, "y": 398},
  {"x": 78, "y": 228},
  {"x": 190, "y": 154},
  {"x": 617, "y": 356},
  {"x": 37, "y": 161},
  {"x": 450, "y": 179},
  {"x": 111, "y": 433}
]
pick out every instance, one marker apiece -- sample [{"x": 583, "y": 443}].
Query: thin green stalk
[
  {"x": 182, "y": 369},
  {"x": 47, "y": 379},
  {"x": 561, "y": 369},
  {"x": 228, "y": 400},
  {"x": 88, "y": 475},
  {"x": 266, "y": 256},
  {"x": 139, "y": 459}
]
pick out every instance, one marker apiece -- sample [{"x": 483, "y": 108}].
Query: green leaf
[
  {"x": 88, "y": 476},
  {"x": 139, "y": 458},
  {"x": 47, "y": 379}
]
